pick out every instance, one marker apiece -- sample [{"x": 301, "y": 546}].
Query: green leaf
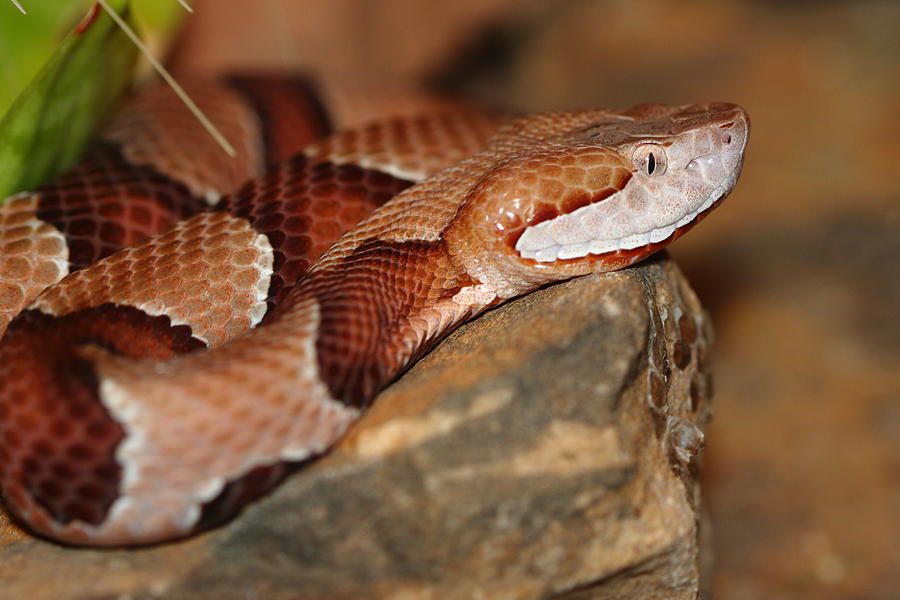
[
  {"x": 27, "y": 41},
  {"x": 158, "y": 19},
  {"x": 51, "y": 122}
]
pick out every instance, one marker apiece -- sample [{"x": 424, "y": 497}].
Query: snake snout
[
  {"x": 727, "y": 138},
  {"x": 732, "y": 134}
]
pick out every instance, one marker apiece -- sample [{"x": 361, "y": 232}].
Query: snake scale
[{"x": 176, "y": 341}]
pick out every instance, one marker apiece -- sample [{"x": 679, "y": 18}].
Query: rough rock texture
[{"x": 546, "y": 450}]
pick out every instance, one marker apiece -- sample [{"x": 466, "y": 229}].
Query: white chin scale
[{"x": 593, "y": 230}]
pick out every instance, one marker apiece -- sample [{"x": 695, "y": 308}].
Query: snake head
[{"x": 599, "y": 191}]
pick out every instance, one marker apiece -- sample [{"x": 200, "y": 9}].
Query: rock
[{"x": 546, "y": 450}]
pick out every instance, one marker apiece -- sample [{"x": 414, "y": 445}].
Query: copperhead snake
[{"x": 182, "y": 359}]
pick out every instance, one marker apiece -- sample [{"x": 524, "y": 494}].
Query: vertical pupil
[{"x": 651, "y": 164}]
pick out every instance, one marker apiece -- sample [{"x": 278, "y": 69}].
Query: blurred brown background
[{"x": 799, "y": 269}]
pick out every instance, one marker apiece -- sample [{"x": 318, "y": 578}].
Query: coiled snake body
[{"x": 158, "y": 388}]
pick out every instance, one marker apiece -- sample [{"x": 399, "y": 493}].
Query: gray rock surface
[{"x": 546, "y": 450}]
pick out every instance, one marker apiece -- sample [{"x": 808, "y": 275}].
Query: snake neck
[{"x": 379, "y": 308}]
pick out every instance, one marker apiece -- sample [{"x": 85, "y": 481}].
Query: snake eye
[{"x": 650, "y": 159}]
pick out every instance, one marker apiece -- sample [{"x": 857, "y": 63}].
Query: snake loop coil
[{"x": 176, "y": 338}]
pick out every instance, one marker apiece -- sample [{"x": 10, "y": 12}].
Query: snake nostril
[{"x": 726, "y": 137}]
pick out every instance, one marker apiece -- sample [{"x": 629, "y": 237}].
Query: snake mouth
[{"x": 542, "y": 242}]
